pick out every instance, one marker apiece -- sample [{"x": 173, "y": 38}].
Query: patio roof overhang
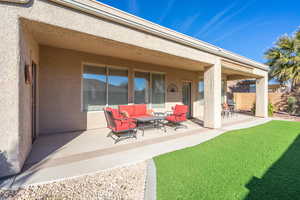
[
  {"x": 59, "y": 37},
  {"x": 237, "y": 71},
  {"x": 115, "y": 15},
  {"x": 55, "y": 36}
]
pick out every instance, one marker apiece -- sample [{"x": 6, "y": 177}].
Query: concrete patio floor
[{"x": 66, "y": 155}]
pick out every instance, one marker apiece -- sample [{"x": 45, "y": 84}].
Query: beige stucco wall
[
  {"x": 60, "y": 88},
  {"x": 9, "y": 102},
  {"x": 17, "y": 49},
  {"x": 29, "y": 52}
]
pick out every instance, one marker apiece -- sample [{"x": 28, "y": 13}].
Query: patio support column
[
  {"x": 212, "y": 96},
  {"x": 262, "y": 97}
]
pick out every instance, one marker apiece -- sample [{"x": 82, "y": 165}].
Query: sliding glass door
[
  {"x": 149, "y": 88},
  {"x": 158, "y": 90},
  {"x": 141, "y": 87}
]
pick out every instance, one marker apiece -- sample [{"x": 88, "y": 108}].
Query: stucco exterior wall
[
  {"x": 9, "y": 102},
  {"x": 29, "y": 52},
  {"x": 16, "y": 49},
  {"x": 60, "y": 88}
]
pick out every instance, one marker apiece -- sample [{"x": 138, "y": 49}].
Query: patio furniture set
[
  {"x": 125, "y": 121},
  {"x": 228, "y": 109}
]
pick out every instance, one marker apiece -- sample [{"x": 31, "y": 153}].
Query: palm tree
[{"x": 284, "y": 59}]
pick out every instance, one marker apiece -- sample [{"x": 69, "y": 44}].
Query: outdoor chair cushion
[
  {"x": 115, "y": 112},
  {"x": 179, "y": 114},
  {"x": 120, "y": 123},
  {"x": 134, "y": 111},
  {"x": 140, "y": 109},
  {"x": 124, "y": 125},
  {"x": 128, "y": 108}
]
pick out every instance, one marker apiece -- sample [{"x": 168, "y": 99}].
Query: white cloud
[
  {"x": 215, "y": 19},
  {"x": 133, "y": 7},
  {"x": 166, "y": 12},
  {"x": 228, "y": 18},
  {"x": 236, "y": 29},
  {"x": 188, "y": 23}
]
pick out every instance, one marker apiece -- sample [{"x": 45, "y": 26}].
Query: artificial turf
[{"x": 261, "y": 162}]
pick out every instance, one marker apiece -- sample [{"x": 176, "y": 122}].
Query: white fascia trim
[
  {"x": 16, "y": 1},
  {"x": 159, "y": 31}
]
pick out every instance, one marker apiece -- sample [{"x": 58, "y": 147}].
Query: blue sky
[{"x": 246, "y": 27}]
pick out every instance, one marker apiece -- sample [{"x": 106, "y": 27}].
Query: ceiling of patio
[
  {"x": 237, "y": 71},
  {"x": 236, "y": 75},
  {"x": 46, "y": 34}
]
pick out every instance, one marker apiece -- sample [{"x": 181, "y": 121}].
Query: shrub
[
  {"x": 270, "y": 109},
  {"x": 292, "y": 104},
  {"x": 253, "y": 108}
]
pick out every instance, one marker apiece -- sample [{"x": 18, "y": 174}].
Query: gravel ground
[{"x": 115, "y": 184}]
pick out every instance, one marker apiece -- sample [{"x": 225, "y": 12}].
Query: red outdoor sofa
[
  {"x": 122, "y": 120},
  {"x": 134, "y": 111}
]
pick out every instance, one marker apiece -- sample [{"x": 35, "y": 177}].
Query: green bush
[
  {"x": 292, "y": 104},
  {"x": 253, "y": 108},
  {"x": 270, "y": 109}
]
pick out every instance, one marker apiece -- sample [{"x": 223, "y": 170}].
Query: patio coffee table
[{"x": 151, "y": 121}]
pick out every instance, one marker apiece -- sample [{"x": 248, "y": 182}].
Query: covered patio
[
  {"x": 60, "y": 156},
  {"x": 78, "y": 74},
  {"x": 53, "y": 146},
  {"x": 69, "y": 122},
  {"x": 70, "y": 70}
]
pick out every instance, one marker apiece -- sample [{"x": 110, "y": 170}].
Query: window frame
[
  {"x": 107, "y": 67},
  {"x": 150, "y": 86},
  {"x": 201, "y": 101}
]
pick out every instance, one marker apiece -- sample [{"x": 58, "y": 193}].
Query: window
[
  {"x": 158, "y": 90},
  {"x": 117, "y": 87},
  {"x": 141, "y": 88},
  {"x": 223, "y": 89},
  {"x": 149, "y": 88},
  {"x": 103, "y": 86},
  {"x": 94, "y": 88},
  {"x": 201, "y": 92}
]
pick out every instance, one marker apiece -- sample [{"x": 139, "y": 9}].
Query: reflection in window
[
  {"x": 144, "y": 94},
  {"x": 223, "y": 91},
  {"x": 158, "y": 90},
  {"x": 104, "y": 86},
  {"x": 201, "y": 92},
  {"x": 94, "y": 88},
  {"x": 141, "y": 87},
  {"x": 117, "y": 87}
]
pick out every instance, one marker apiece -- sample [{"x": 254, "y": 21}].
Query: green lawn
[{"x": 262, "y": 162}]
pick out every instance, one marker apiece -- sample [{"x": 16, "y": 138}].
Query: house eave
[
  {"x": 16, "y": 1},
  {"x": 135, "y": 22}
]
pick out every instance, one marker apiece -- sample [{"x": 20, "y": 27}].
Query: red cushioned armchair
[
  {"x": 178, "y": 116},
  {"x": 119, "y": 125}
]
